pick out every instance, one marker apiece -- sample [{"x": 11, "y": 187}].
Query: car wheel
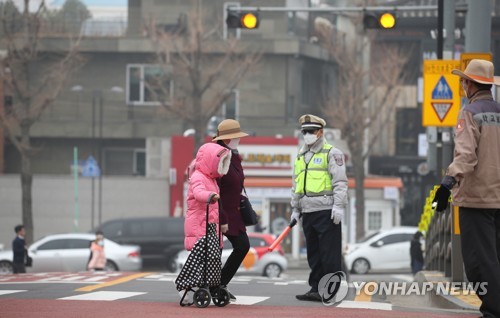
[
  {"x": 6, "y": 268},
  {"x": 360, "y": 266},
  {"x": 111, "y": 266},
  {"x": 171, "y": 265},
  {"x": 272, "y": 270}
]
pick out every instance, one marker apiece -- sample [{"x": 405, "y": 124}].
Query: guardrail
[{"x": 442, "y": 240}]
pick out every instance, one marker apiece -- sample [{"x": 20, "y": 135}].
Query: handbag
[{"x": 247, "y": 212}]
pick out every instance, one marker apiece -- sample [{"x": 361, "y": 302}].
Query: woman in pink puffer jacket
[{"x": 212, "y": 162}]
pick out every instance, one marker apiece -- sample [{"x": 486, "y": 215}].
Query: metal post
[
  {"x": 100, "y": 160},
  {"x": 92, "y": 197}
]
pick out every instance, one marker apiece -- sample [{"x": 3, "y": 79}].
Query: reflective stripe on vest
[{"x": 313, "y": 179}]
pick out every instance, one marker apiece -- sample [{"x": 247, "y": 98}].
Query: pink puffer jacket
[{"x": 212, "y": 161}]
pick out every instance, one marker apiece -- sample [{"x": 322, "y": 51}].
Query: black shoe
[{"x": 309, "y": 296}]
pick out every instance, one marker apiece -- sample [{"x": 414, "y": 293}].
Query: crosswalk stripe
[
  {"x": 6, "y": 292},
  {"x": 365, "y": 305},
  {"x": 103, "y": 295},
  {"x": 248, "y": 300}
]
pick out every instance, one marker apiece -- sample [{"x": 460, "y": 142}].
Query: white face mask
[
  {"x": 309, "y": 139},
  {"x": 233, "y": 143}
]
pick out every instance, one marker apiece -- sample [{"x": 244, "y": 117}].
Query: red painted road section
[{"x": 16, "y": 308}]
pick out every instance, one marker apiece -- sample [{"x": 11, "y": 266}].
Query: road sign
[
  {"x": 90, "y": 168},
  {"x": 441, "y": 99},
  {"x": 465, "y": 58}
]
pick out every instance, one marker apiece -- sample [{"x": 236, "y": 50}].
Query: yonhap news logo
[{"x": 333, "y": 288}]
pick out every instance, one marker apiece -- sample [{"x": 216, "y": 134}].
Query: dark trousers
[
  {"x": 324, "y": 245},
  {"x": 480, "y": 237},
  {"x": 241, "y": 245},
  {"x": 18, "y": 268}
]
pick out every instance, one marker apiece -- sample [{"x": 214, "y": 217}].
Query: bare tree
[
  {"x": 365, "y": 100},
  {"x": 206, "y": 70},
  {"x": 33, "y": 77}
]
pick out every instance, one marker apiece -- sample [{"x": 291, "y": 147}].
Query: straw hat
[
  {"x": 229, "y": 129},
  {"x": 479, "y": 71}
]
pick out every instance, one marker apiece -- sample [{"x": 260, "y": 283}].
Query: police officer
[
  {"x": 474, "y": 177},
  {"x": 319, "y": 196}
]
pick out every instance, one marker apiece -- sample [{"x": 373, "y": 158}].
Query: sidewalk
[{"x": 456, "y": 299}]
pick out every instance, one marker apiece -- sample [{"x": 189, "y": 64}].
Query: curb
[{"x": 461, "y": 300}]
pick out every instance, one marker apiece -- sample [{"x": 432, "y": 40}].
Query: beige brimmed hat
[
  {"x": 479, "y": 71},
  {"x": 229, "y": 129},
  {"x": 309, "y": 121}
]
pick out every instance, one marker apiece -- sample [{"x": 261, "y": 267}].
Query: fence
[{"x": 442, "y": 240}]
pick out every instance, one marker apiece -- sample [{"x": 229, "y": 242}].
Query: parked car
[
  {"x": 160, "y": 238},
  {"x": 71, "y": 252},
  {"x": 383, "y": 250},
  {"x": 258, "y": 260}
]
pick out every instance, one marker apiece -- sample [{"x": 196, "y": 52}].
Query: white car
[
  {"x": 381, "y": 251},
  {"x": 258, "y": 259},
  {"x": 71, "y": 252}
]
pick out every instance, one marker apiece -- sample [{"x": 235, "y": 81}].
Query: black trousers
[
  {"x": 324, "y": 245},
  {"x": 480, "y": 238},
  {"x": 241, "y": 245},
  {"x": 18, "y": 268}
]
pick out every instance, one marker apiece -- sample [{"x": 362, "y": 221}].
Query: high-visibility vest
[{"x": 313, "y": 179}]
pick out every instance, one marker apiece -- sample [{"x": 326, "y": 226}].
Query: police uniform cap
[{"x": 309, "y": 121}]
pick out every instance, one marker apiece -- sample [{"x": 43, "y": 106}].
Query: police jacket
[
  {"x": 334, "y": 192},
  {"x": 476, "y": 163}
]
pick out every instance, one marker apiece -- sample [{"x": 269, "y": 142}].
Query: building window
[
  {"x": 374, "y": 220},
  {"x": 408, "y": 127},
  {"x": 149, "y": 84},
  {"x": 125, "y": 162}
]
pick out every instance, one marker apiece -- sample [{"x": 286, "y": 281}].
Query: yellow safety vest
[{"x": 313, "y": 179}]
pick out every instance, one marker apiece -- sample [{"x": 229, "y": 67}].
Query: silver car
[{"x": 71, "y": 252}]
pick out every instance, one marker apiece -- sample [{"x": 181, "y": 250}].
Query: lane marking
[
  {"x": 13, "y": 291},
  {"x": 363, "y": 297},
  {"x": 364, "y": 305},
  {"x": 103, "y": 295},
  {"x": 113, "y": 282}
]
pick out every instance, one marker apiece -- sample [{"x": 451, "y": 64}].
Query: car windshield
[{"x": 366, "y": 238}]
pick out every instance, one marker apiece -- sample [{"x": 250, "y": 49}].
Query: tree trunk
[
  {"x": 26, "y": 184},
  {"x": 359, "y": 177}
]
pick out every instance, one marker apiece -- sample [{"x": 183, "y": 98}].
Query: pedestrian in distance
[
  {"x": 319, "y": 197},
  {"x": 98, "y": 256},
  {"x": 473, "y": 179},
  {"x": 19, "y": 250},
  {"x": 416, "y": 255},
  {"x": 212, "y": 161},
  {"x": 231, "y": 189}
]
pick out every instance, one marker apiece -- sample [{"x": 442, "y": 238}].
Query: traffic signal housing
[
  {"x": 242, "y": 19},
  {"x": 379, "y": 20}
]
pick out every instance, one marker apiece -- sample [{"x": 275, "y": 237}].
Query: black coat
[
  {"x": 416, "y": 251},
  {"x": 19, "y": 250}
]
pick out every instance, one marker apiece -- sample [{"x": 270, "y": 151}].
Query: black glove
[
  {"x": 443, "y": 193},
  {"x": 441, "y": 197}
]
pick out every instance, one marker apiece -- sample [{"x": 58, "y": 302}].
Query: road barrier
[{"x": 442, "y": 240}]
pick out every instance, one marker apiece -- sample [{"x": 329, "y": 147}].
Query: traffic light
[
  {"x": 242, "y": 20},
  {"x": 380, "y": 20}
]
